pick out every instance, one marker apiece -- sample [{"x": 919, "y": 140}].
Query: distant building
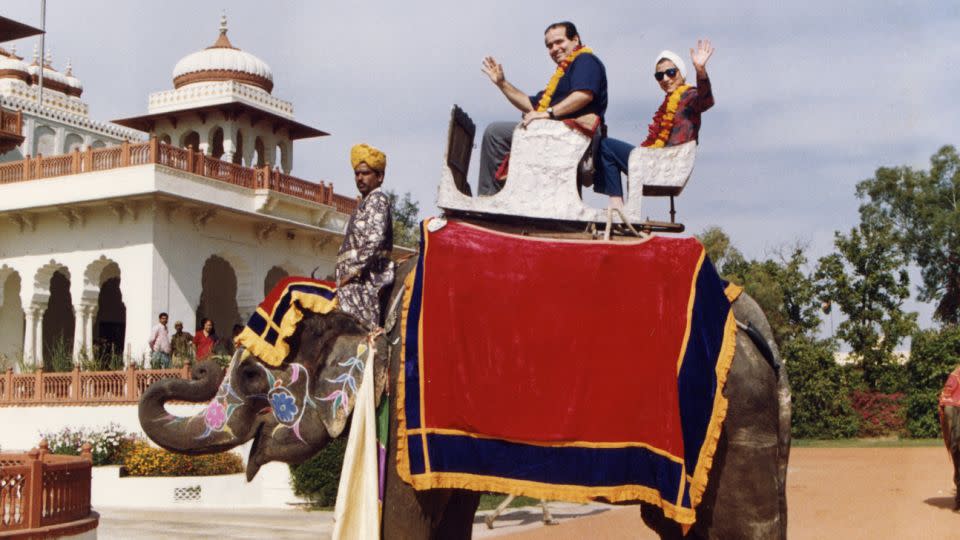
[{"x": 188, "y": 209}]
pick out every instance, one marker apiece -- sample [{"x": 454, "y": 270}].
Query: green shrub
[
  {"x": 145, "y": 460},
  {"x": 933, "y": 355},
  {"x": 58, "y": 357},
  {"x": 317, "y": 478},
  {"x": 109, "y": 443},
  {"x": 821, "y": 390}
]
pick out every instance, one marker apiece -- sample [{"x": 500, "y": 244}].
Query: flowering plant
[{"x": 109, "y": 442}]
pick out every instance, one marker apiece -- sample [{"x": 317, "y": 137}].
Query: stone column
[
  {"x": 90, "y": 317},
  {"x": 29, "y": 336},
  {"x": 204, "y": 145},
  {"x": 83, "y": 331},
  {"x": 28, "y": 125},
  {"x": 286, "y": 157},
  {"x": 229, "y": 141},
  {"x": 60, "y": 135},
  {"x": 38, "y": 335}
]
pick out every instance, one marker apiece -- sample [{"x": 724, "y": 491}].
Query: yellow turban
[{"x": 363, "y": 153}]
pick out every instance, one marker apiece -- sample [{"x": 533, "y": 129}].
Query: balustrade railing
[
  {"x": 81, "y": 387},
  {"x": 184, "y": 159},
  {"x": 39, "y": 489}
]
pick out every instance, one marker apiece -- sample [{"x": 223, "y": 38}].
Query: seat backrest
[
  {"x": 661, "y": 171},
  {"x": 460, "y": 138}
]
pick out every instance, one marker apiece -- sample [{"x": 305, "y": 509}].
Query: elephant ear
[{"x": 342, "y": 374}]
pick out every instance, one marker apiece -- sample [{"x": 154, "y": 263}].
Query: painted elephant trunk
[{"x": 189, "y": 434}]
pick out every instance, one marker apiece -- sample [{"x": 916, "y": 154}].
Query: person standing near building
[
  {"x": 160, "y": 344},
  {"x": 182, "y": 345},
  {"x": 364, "y": 269},
  {"x": 205, "y": 339}
]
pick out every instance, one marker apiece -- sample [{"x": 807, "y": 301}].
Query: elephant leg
[
  {"x": 457, "y": 520},
  {"x": 955, "y": 455},
  {"x": 666, "y": 528}
]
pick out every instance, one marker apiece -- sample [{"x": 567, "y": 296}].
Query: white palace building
[{"x": 189, "y": 209}]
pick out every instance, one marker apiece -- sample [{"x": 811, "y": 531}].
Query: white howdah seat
[
  {"x": 542, "y": 177},
  {"x": 661, "y": 172}
]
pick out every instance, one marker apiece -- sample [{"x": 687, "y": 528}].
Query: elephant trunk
[{"x": 187, "y": 434}]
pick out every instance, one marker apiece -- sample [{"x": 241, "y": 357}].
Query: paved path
[{"x": 293, "y": 524}]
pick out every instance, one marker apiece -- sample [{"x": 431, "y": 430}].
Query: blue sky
[{"x": 811, "y": 98}]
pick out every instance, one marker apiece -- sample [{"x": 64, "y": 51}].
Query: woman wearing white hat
[{"x": 676, "y": 121}]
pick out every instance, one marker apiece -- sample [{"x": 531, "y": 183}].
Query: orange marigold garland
[
  {"x": 557, "y": 75},
  {"x": 663, "y": 120}
]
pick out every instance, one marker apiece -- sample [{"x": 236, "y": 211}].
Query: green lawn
[
  {"x": 884, "y": 442},
  {"x": 489, "y": 501}
]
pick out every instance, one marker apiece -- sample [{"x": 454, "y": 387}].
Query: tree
[
  {"x": 406, "y": 226},
  {"x": 867, "y": 279},
  {"x": 719, "y": 248},
  {"x": 822, "y": 407},
  {"x": 781, "y": 285},
  {"x": 933, "y": 355},
  {"x": 924, "y": 206}
]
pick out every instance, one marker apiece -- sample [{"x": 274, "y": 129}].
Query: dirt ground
[{"x": 850, "y": 493}]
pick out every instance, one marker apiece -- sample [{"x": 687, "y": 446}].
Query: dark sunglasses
[{"x": 672, "y": 72}]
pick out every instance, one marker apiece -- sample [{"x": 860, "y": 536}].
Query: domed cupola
[
  {"x": 74, "y": 86},
  {"x": 223, "y": 62},
  {"x": 12, "y": 66}
]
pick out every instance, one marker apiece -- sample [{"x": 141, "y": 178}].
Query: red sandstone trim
[{"x": 216, "y": 75}]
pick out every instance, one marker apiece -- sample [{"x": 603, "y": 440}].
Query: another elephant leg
[
  {"x": 547, "y": 518},
  {"x": 499, "y": 510},
  {"x": 950, "y": 424}
]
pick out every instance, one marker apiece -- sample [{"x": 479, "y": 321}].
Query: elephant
[{"x": 277, "y": 408}]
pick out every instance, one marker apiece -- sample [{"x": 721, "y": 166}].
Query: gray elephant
[{"x": 278, "y": 408}]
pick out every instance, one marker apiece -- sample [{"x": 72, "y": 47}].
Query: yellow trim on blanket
[
  {"x": 733, "y": 292},
  {"x": 403, "y": 462},
  {"x": 690, "y": 302},
  {"x": 546, "y": 444},
  {"x": 553, "y": 492},
  {"x": 274, "y": 355},
  {"x": 705, "y": 460}
]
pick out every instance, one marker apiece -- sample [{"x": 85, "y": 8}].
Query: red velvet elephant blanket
[{"x": 563, "y": 369}]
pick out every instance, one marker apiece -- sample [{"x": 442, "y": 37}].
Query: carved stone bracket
[
  {"x": 264, "y": 231},
  {"x": 124, "y": 209},
  {"x": 24, "y": 221},
  {"x": 73, "y": 216},
  {"x": 169, "y": 209},
  {"x": 202, "y": 217}
]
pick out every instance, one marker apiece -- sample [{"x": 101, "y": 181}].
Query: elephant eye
[{"x": 250, "y": 374}]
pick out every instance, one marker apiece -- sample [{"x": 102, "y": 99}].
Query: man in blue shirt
[{"x": 576, "y": 94}]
